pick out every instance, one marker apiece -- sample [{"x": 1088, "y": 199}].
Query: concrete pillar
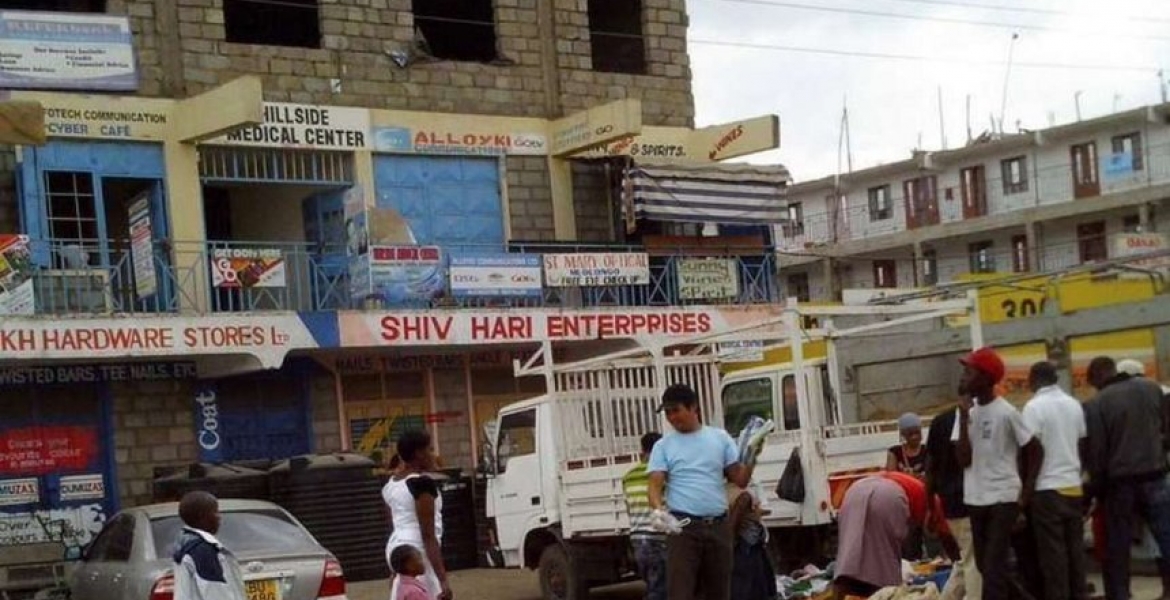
[
  {"x": 1144, "y": 215},
  {"x": 166, "y": 20},
  {"x": 1032, "y": 235},
  {"x": 832, "y": 283},
  {"x": 919, "y": 259}
]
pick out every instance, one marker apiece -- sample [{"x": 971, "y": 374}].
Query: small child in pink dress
[{"x": 407, "y": 563}]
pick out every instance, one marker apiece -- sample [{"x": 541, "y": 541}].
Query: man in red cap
[{"x": 991, "y": 434}]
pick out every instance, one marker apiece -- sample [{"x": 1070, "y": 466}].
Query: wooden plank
[{"x": 22, "y": 122}]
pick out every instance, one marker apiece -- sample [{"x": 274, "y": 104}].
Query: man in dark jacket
[{"x": 1127, "y": 465}]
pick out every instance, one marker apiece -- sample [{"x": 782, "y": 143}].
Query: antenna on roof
[
  {"x": 1162, "y": 84},
  {"x": 1007, "y": 78},
  {"x": 942, "y": 128},
  {"x": 968, "y": 119},
  {"x": 1077, "y": 102}
]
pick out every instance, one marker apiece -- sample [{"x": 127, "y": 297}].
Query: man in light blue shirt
[{"x": 691, "y": 465}]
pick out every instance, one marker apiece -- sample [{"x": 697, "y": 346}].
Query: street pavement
[{"x": 514, "y": 584}]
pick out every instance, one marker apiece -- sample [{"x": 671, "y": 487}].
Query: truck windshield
[{"x": 743, "y": 400}]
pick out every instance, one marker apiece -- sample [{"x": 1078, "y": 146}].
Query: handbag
[{"x": 791, "y": 485}]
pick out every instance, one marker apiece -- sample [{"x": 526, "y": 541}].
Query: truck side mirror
[{"x": 488, "y": 463}]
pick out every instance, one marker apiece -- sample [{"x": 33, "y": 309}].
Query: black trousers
[
  {"x": 1058, "y": 527},
  {"x": 991, "y": 534},
  {"x": 699, "y": 560}
]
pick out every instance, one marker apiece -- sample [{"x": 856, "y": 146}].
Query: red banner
[{"x": 43, "y": 450}]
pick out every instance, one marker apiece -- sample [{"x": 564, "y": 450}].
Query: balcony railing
[
  {"x": 90, "y": 277},
  {"x": 1046, "y": 185}
]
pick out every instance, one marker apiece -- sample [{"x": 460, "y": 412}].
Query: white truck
[{"x": 555, "y": 492}]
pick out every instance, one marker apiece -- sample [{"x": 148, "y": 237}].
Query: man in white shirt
[
  {"x": 1055, "y": 513},
  {"x": 991, "y": 436}
]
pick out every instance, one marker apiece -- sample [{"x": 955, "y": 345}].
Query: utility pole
[{"x": 1162, "y": 84}]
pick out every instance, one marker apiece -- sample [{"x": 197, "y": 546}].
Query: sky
[{"x": 893, "y": 104}]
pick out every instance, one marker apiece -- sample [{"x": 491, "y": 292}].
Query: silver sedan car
[{"x": 131, "y": 558}]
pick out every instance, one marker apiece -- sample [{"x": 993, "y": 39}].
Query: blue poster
[
  {"x": 496, "y": 275},
  {"x": 1118, "y": 165}
]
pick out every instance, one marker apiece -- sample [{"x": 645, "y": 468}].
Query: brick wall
[
  {"x": 359, "y": 35},
  {"x": 153, "y": 427},
  {"x": 454, "y": 434},
  {"x": 326, "y": 426},
  {"x": 593, "y": 203},
  {"x": 530, "y": 199}
]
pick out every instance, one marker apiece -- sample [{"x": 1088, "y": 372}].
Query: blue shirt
[{"x": 694, "y": 464}]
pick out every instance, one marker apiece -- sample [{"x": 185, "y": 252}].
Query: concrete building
[
  {"x": 1025, "y": 203},
  {"x": 261, "y": 229}
]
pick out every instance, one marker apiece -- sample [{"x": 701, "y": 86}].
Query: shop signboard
[
  {"x": 596, "y": 269},
  {"x": 62, "y": 50},
  {"x": 496, "y": 275},
  {"x": 710, "y": 144},
  {"x": 596, "y": 126},
  {"x": 56, "y": 374},
  {"x": 142, "y": 247},
  {"x": 307, "y": 127},
  {"x": 16, "y": 269},
  {"x": 247, "y": 268},
  {"x": 1127, "y": 245},
  {"x": 741, "y": 352},
  {"x": 39, "y": 451},
  {"x": 398, "y": 275},
  {"x": 15, "y": 492},
  {"x": 504, "y": 326},
  {"x": 472, "y": 140},
  {"x": 708, "y": 278},
  {"x": 82, "y": 487}
]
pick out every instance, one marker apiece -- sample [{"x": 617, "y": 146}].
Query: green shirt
[{"x": 636, "y": 487}]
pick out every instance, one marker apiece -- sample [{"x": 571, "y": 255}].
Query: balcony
[
  {"x": 90, "y": 278},
  {"x": 1050, "y": 192}
]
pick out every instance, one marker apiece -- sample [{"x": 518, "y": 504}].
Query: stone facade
[
  {"x": 529, "y": 198},
  {"x": 354, "y": 67},
  {"x": 454, "y": 434},
  {"x": 153, "y": 427}
]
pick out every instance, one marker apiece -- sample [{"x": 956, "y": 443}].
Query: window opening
[
  {"x": 1020, "y": 262},
  {"x": 929, "y": 267},
  {"x": 517, "y": 437},
  {"x": 293, "y": 23},
  {"x": 798, "y": 287},
  {"x": 791, "y": 406},
  {"x": 1091, "y": 242},
  {"x": 1015, "y": 175},
  {"x": 1131, "y": 144},
  {"x": 615, "y": 34},
  {"x": 980, "y": 257},
  {"x": 880, "y": 205},
  {"x": 746, "y": 399},
  {"x": 460, "y": 30},
  {"x": 885, "y": 274}
]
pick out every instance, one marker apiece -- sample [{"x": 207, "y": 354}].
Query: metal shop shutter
[{"x": 447, "y": 201}]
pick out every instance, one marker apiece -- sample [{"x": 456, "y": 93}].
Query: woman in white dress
[{"x": 416, "y": 510}]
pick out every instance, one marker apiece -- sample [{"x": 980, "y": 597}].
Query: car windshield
[{"x": 242, "y": 532}]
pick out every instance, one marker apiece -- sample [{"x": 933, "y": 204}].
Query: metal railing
[{"x": 95, "y": 277}]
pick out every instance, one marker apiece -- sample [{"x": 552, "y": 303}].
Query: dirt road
[{"x": 493, "y": 584}]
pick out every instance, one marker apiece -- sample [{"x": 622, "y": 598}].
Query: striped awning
[{"x": 725, "y": 193}]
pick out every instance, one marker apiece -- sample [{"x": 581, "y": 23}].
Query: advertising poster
[
  {"x": 406, "y": 274},
  {"x": 496, "y": 275},
  {"x": 708, "y": 278},
  {"x": 1137, "y": 244},
  {"x": 58, "y": 50},
  {"x": 142, "y": 247},
  {"x": 596, "y": 270},
  {"x": 37, "y": 451},
  {"x": 16, "y": 270},
  {"x": 246, "y": 268},
  {"x": 82, "y": 487},
  {"x": 14, "y": 492}
]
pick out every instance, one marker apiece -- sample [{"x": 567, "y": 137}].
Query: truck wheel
[{"x": 558, "y": 580}]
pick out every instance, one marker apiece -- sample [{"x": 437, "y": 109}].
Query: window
[
  {"x": 293, "y": 23},
  {"x": 1015, "y": 175},
  {"x": 77, "y": 6},
  {"x": 73, "y": 217},
  {"x": 981, "y": 259},
  {"x": 885, "y": 274},
  {"x": 1132, "y": 224},
  {"x": 463, "y": 30},
  {"x": 881, "y": 207},
  {"x": 615, "y": 34},
  {"x": 794, "y": 223},
  {"x": 1020, "y": 262},
  {"x": 1131, "y": 144},
  {"x": 115, "y": 541},
  {"x": 974, "y": 192},
  {"x": 798, "y": 287},
  {"x": 929, "y": 267},
  {"x": 921, "y": 201},
  {"x": 517, "y": 437},
  {"x": 790, "y": 404},
  {"x": 244, "y": 531},
  {"x": 743, "y": 400},
  {"x": 1091, "y": 242}
]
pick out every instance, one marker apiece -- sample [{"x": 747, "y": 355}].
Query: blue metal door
[
  {"x": 324, "y": 216},
  {"x": 452, "y": 202},
  {"x": 264, "y": 416}
]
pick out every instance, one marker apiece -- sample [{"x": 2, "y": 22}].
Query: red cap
[{"x": 986, "y": 361}]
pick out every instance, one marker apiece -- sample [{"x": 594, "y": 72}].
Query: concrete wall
[
  {"x": 530, "y": 201},
  {"x": 153, "y": 427}
]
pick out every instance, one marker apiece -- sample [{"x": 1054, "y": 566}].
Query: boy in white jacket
[{"x": 204, "y": 569}]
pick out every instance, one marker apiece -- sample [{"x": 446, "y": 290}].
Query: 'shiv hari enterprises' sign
[
  {"x": 266, "y": 337},
  {"x": 446, "y": 328},
  {"x": 303, "y": 126}
]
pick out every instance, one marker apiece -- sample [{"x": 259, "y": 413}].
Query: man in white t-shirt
[
  {"x": 1055, "y": 513},
  {"x": 991, "y": 435}
]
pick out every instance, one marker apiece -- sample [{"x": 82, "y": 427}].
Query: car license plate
[{"x": 262, "y": 589}]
